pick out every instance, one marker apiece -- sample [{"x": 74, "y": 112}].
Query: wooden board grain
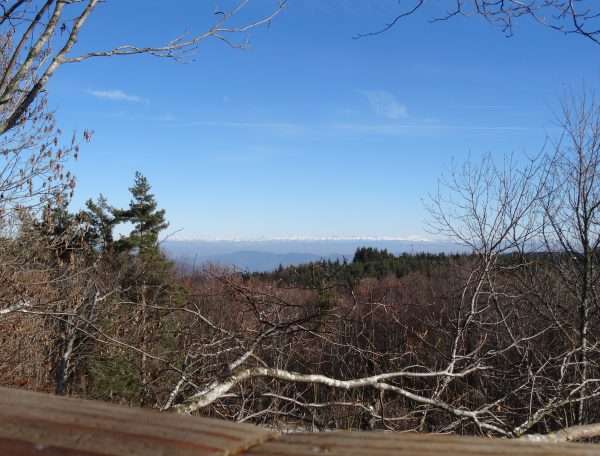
[
  {"x": 39, "y": 424},
  {"x": 44, "y": 425},
  {"x": 405, "y": 444}
]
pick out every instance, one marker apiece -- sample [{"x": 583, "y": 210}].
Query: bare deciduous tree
[
  {"x": 512, "y": 352},
  {"x": 571, "y": 230},
  {"x": 36, "y": 38},
  {"x": 570, "y": 17},
  {"x": 42, "y": 35}
]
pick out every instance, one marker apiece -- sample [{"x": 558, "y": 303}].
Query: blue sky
[{"x": 309, "y": 132}]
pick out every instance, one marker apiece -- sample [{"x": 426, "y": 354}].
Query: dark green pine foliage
[
  {"x": 101, "y": 221},
  {"x": 146, "y": 279},
  {"x": 367, "y": 262},
  {"x": 147, "y": 220}
]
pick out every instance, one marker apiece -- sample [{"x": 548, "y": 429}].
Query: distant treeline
[
  {"x": 487, "y": 343},
  {"x": 367, "y": 262}
]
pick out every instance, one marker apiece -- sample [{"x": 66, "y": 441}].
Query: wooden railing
[{"x": 44, "y": 425}]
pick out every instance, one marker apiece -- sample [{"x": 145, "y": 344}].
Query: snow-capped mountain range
[{"x": 268, "y": 254}]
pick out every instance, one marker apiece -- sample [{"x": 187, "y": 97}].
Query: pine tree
[
  {"x": 99, "y": 216},
  {"x": 147, "y": 220},
  {"x": 149, "y": 282}
]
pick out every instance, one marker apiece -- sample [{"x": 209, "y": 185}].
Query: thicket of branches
[{"x": 502, "y": 341}]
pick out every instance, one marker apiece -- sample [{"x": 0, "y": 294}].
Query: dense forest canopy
[
  {"x": 410, "y": 341},
  {"x": 367, "y": 262}
]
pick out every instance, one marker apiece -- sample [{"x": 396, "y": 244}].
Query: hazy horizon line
[{"x": 415, "y": 238}]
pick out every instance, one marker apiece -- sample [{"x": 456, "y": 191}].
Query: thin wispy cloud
[
  {"x": 387, "y": 128},
  {"x": 385, "y": 104},
  {"x": 329, "y": 129},
  {"x": 117, "y": 95},
  {"x": 486, "y": 107},
  {"x": 277, "y": 127},
  {"x": 394, "y": 129}
]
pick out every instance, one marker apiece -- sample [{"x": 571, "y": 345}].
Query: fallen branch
[
  {"x": 217, "y": 389},
  {"x": 569, "y": 434},
  {"x": 15, "y": 308}
]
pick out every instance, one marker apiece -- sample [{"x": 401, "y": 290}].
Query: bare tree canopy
[
  {"x": 39, "y": 37},
  {"x": 503, "y": 341},
  {"x": 570, "y": 17}
]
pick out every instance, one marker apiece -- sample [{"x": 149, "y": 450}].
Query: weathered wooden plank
[
  {"x": 32, "y": 423},
  {"x": 383, "y": 443},
  {"x": 45, "y": 425},
  {"x": 14, "y": 447}
]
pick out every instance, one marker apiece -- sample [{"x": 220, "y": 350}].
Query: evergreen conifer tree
[
  {"x": 147, "y": 220},
  {"x": 149, "y": 281},
  {"x": 99, "y": 216}
]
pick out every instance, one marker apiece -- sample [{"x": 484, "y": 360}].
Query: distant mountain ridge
[
  {"x": 253, "y": 261},
  {"x": 267, "y": 255}
]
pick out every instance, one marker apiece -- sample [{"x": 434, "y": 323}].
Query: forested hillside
[
  {"x": 367, "y": 262},
  {"x": 501, "y": 340},
  {"x": 422, "y": 342}
]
